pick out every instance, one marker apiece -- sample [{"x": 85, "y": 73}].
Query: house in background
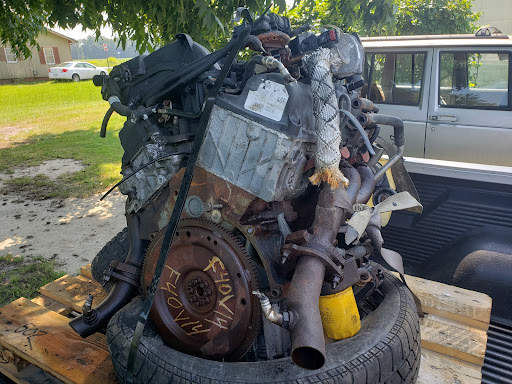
[{"x": 54, "y": 48}]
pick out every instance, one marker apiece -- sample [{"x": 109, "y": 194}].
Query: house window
[
  {"x": 10, "y": 56},
  {"x": 48, "y": 55}
]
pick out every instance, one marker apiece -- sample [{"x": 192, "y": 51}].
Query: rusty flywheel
[{"x": 203, "y": 303}]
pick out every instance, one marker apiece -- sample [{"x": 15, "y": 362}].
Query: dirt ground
[{"x": 68, "y": 231}]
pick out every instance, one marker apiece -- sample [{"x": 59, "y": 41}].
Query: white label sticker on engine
[{"x": 268, "y": 100}]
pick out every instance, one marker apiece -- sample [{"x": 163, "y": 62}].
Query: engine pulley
[{"x": 203, "y": 303}]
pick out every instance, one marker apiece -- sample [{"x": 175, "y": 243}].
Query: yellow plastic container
[{"x": 340, "y": 317}]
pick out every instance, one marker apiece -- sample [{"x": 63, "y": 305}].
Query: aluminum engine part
[
  {"x": 263, "y": 161},
  {"x": 141, "y": 186}
]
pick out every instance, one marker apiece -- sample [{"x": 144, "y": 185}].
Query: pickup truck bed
[{"x": 465, "y": 210}]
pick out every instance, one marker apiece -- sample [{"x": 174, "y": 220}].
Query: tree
[
  {"x": 368, "y": 18},
  {"x": 152, "y": 23},
  {"x": 149, "y": 23},
  {"x": 434, "y": 17}
]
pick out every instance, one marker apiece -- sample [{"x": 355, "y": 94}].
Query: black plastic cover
[{"x": 141, "y": 77}]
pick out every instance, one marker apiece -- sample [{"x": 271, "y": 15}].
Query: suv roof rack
[{"x": 483, "y": 32}]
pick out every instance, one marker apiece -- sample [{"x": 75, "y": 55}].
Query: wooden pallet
[{"x": 36, "y": 340}]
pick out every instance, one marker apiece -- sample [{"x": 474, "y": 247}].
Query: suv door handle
[{"x": 443, "y": 118}]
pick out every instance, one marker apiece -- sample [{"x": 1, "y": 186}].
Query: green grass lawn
[
  {"x": 58, "y": 120},
  {"x": 103, "y": 62},
  {"x": 22, "y": 278}
]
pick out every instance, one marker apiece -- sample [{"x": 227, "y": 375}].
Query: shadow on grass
[{"x": 101, "y": 158}]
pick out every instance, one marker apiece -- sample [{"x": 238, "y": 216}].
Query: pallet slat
[
  {"x": 453, "y": 339},
  {"x": 438, "y": 368},
  {"x": 458, "y": 304},
  {"x": 72, "y": 291},
  {"x": 54, "y": 305},
  {"x": 43, "y": 338},
  {"x": 85, "y": 271}
]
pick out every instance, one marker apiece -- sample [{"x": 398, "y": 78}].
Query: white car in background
[{"x": 75, "y": 70}]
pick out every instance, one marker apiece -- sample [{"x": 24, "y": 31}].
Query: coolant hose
[
  {"x": 122, "y": 292},
  {"x": 368, "y": 119},
  {"x": 117, "y": 106},
  {"x": 104, "y": 123}
]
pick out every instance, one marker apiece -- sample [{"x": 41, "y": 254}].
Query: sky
[{"x": 77, "y": 33}]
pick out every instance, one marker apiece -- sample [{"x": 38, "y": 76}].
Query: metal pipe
[
  {"x": 364, "y": 104},
  {"x": 390, "y": 163},
  {"x": 307, "y": 336},
  {"x": 122, "y": 291},
  {"x": 354, "y": 179},
  {"x": 367, "y": 184}
]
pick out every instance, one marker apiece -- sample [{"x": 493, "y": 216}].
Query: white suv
[{"x": 452, "y": 92}]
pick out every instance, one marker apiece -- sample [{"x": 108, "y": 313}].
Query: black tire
[
  {"x": 75, "y": 77},
  {"x": 386, "y": 350},
  {"x": 103, "y": 73},
  {"x": 115, "y": 249}
]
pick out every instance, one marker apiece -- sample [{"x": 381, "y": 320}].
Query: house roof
[{"x": 71, "y": 40}]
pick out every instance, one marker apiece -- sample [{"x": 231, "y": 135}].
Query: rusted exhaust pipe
[
  {"x": 307, "y": 335},
  {"x": 367, "y": 184}
]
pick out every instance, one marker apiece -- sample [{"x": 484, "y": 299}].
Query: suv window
[
  {"x": 395, "y": 78},
  {"x": 474, "y": 80},
  {"x": 87, "y": 65}
]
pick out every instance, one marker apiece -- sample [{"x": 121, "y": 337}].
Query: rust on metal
[{"x": 204, "y": 303}]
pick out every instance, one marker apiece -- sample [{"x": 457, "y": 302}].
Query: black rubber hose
[
  {"x": 395, "y": 122},
  {"x": 121, "y": 293},
  {"x": 120, "y": 108},
  {"x": 104, "y": 123}
]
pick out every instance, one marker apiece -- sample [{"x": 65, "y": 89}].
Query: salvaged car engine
[{"x": 275, "y": 221}]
